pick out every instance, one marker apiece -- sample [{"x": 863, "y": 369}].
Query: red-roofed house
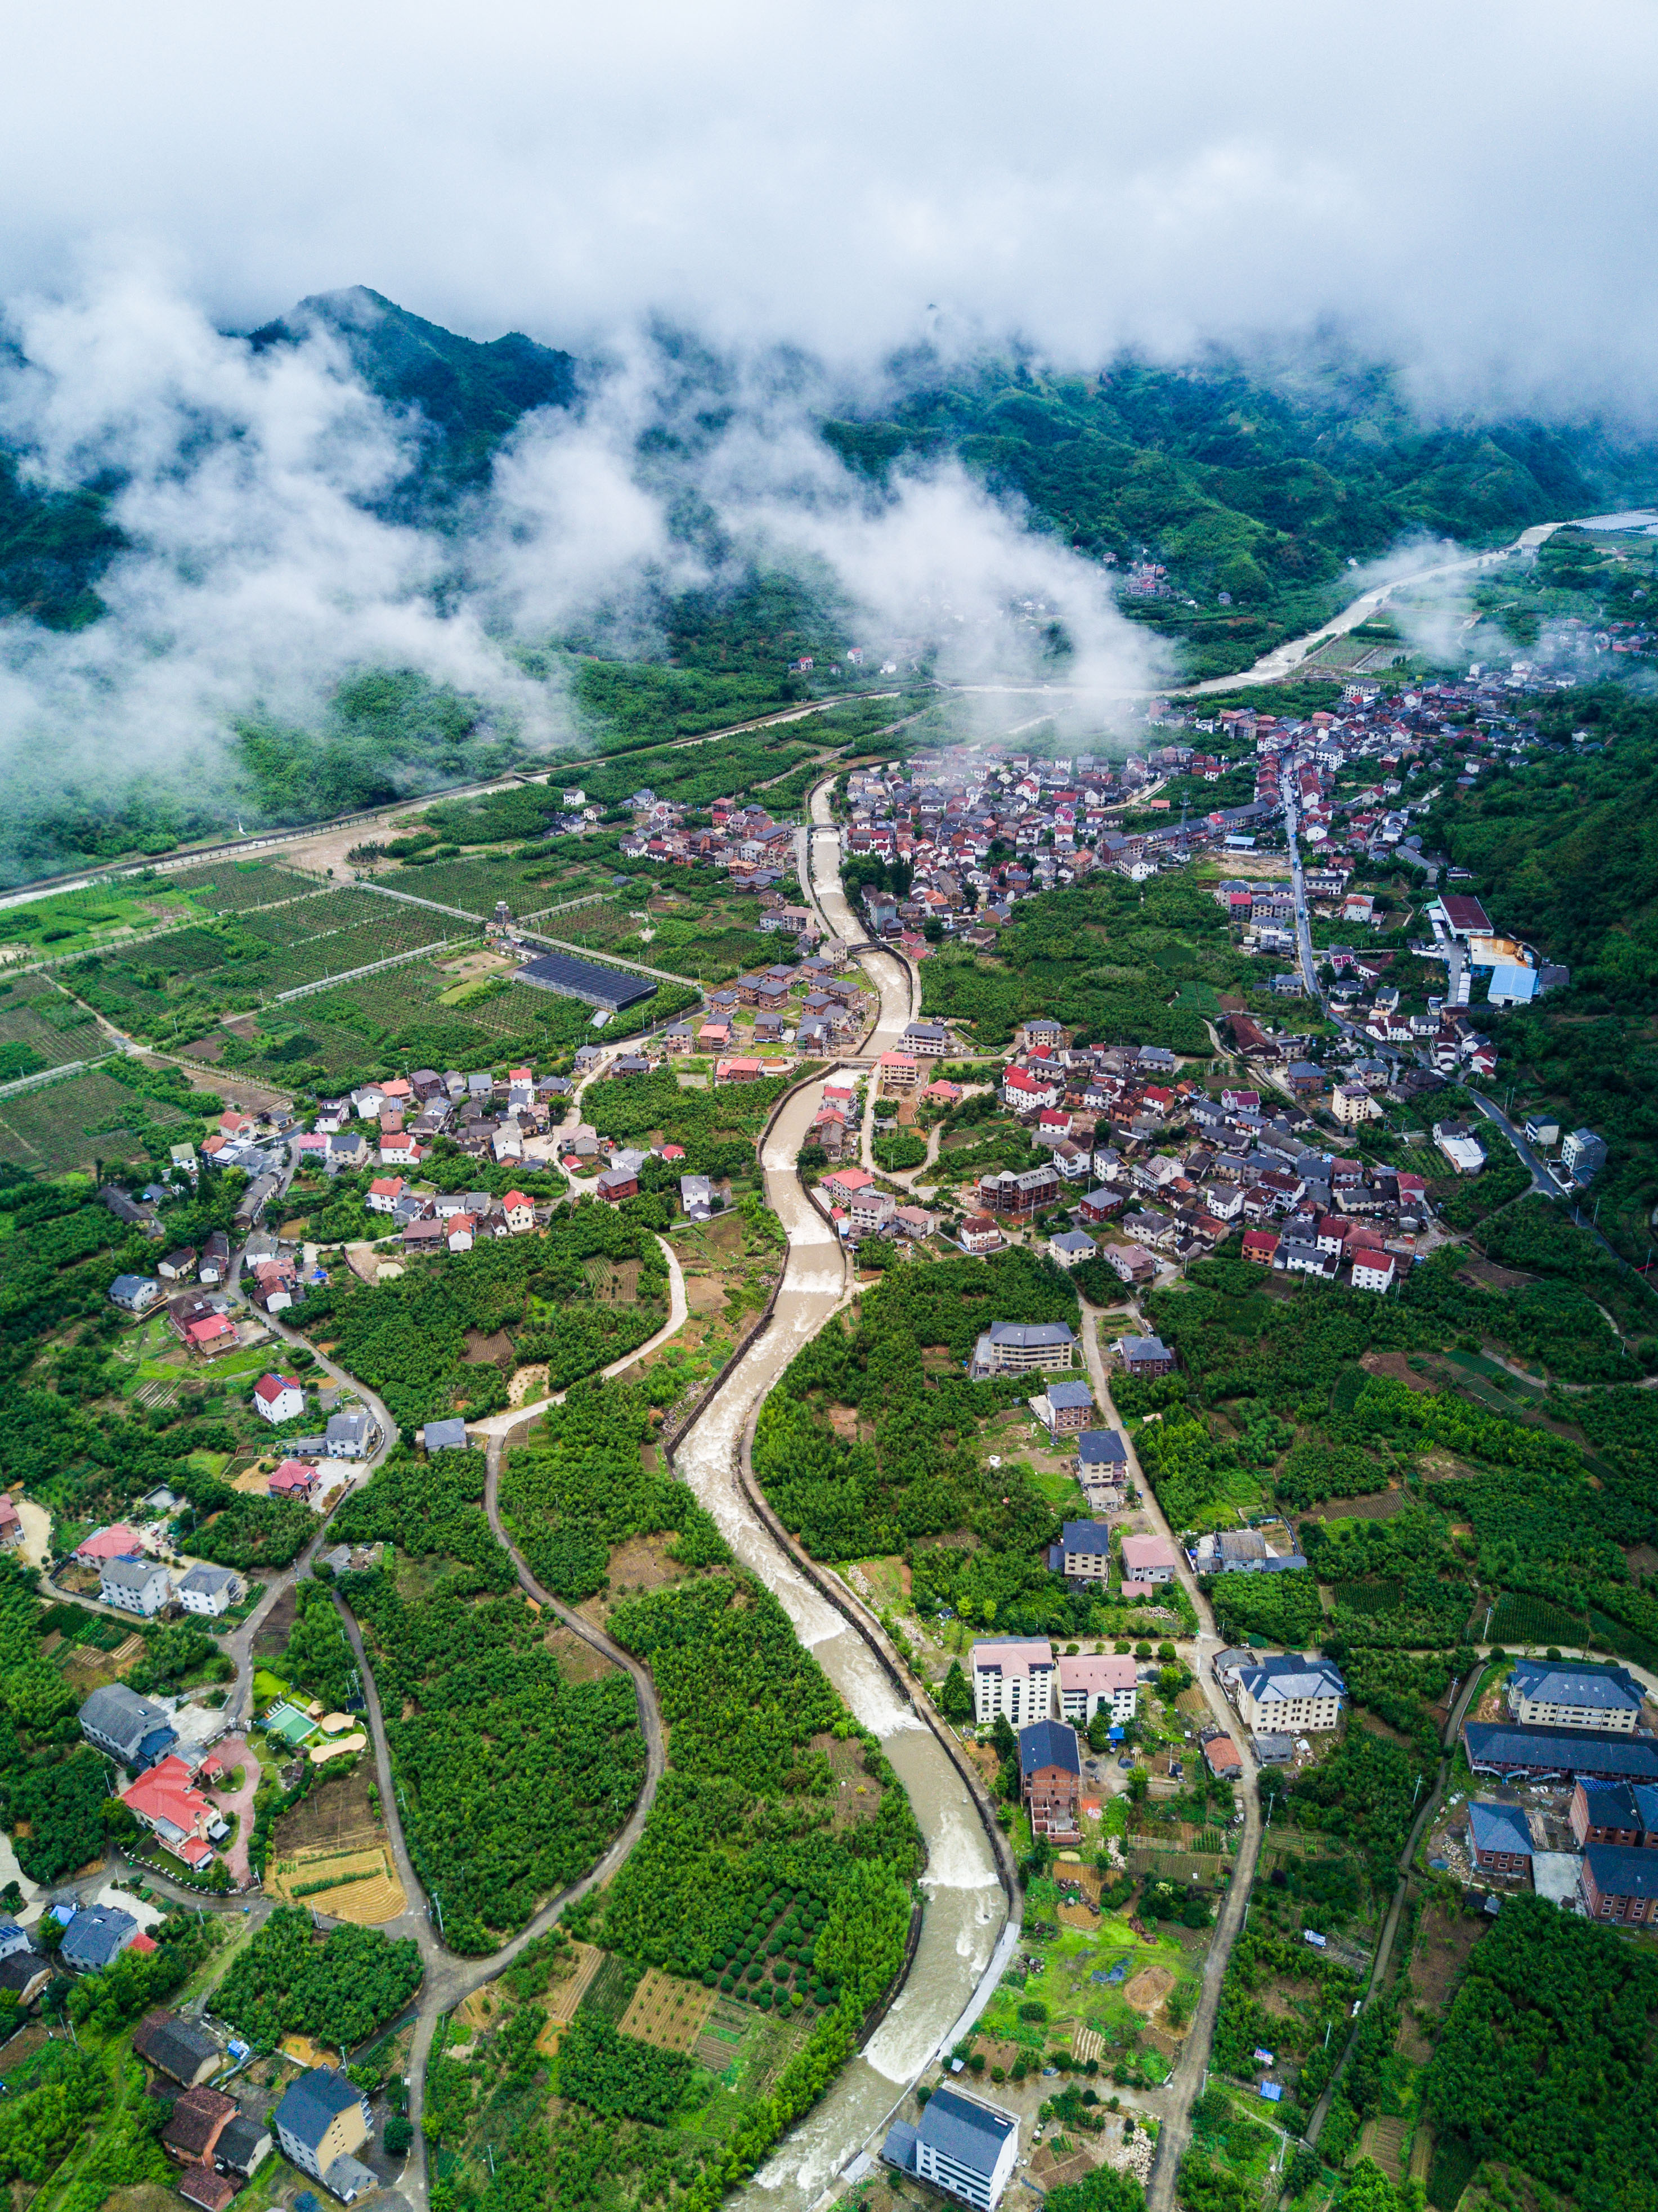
[
  {"x": 520, "y": 1211},
  {"x": 398, "y": 1151},
  {"x": 739, "y": 1071},
  {"x": 11, "y": 1523},
  {"x": 897, "y": 1071},
  {"x": 462, "y": 1227},
  {"x": 213, "y": 1333},
  {"x": 1259, "y": 1245},
  {"x": 164, "y": 1802},
  {"x": 384, "y": 1193},
  {"x": 235, "y": 1124},
  {"x": 293, "y": 1478},
  {"x": 845, "y": 1183},
  {"x": 116, "y": 1543},
  {"x": 279, "y": 1398},
  {"x": 1028, "y": 1094}
]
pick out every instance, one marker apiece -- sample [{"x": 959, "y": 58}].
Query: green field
[{"x": 80, "y": 1119}]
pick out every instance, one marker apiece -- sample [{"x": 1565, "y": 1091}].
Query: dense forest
[{"x": 336, "y": 1990}]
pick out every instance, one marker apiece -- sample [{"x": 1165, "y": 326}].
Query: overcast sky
[{"x": 1468, "y": 186}]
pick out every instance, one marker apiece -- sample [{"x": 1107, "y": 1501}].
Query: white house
[
  {"x": 960, "y": 2146},
  {"x": 141, "y": 1586},
  {"x": 1148, "y": 1559},
  {"x": 210, "y": 1590},
  {"x": 1374, "y": 1271},
  {"x": 279, "y": 1398},
  {"x": 1097, "y": 1681},
  {"x": 1287, "y": 1694},
  {"x": 1014, "y": 1679}
]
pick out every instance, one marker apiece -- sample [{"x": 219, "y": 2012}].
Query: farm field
[
  {"x": 42, "y": 1027},
  {"x": 75, "y": 920},
  {"x": 237, "y": 886},
  {"x": 84, "y": 1118},
  {"x": 476, "y": 883}
]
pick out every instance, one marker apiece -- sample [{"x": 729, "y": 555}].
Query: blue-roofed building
[
  {"x": 1085, "y": 1551},
  {"x": 1065, "y": 1408},
  {"x": 1497, "y": 1747},
  {"x": 1050, "y": 1779},
  {"x": 1563, "y": 1693},
  {"x": 321, "y": 2119},
  {"x": 1104, "y": 1449},
  {"x": 1511, "y": 985},
  {"x": 1619, "y": 1883},
  {"x": 1499, "y": 1839},
  {"x": 1615, "y": 1813},
  {"x": 961, "y": 2146}
]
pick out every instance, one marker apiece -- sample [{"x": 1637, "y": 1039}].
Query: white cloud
[{"x": 1465, "y": 187}]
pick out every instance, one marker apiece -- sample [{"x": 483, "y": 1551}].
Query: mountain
[{"x": 470, "y": 394}]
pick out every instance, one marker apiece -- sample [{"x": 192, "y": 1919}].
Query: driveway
[{"x": 237, "y": 1805}]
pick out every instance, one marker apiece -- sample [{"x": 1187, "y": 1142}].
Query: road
[{"x": 1185, "y": 2083}]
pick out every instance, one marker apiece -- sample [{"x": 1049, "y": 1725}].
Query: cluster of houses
[
  {"x": 131, "y": 1578},
  {"x": 811, "y": 1001},
  {"x": 1577, "y": 1725},
  {"x": 1173, "y": 1172},
  {"x": 744, "y": 840}
]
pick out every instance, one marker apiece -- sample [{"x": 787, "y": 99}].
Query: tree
[
  {"x": 399, "y": 2133},
  {"x": 1099, "y": 1730},
  {"x": 956, "y": 1697}
]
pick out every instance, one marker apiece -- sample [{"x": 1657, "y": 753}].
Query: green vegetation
[{"x": 337, "y": 1990}]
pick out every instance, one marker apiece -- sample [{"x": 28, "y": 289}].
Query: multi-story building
[
  {"x": 1619, "y": 1883},
  {"x": 1584, "y": 1155},
  {"x": 1018, "y": 1347},
  {"x": 1051, "y": 1779},
  {"x": 1287, "y": 1694},
  {"x": 1148, "y": 1559},
  {"x": 1092, "y": 1682},
  {"x": 1084, "y": 1551},
  {"x": 1547, "y": 1694},
  {"x": 1499, "y": 1839},
  {"x": 960, "y": 2146},
  {"x": 1013, "y": 1680}
]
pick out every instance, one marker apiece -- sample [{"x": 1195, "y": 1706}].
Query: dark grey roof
[
  {"x": 1623, "y": 1869},
  {"x": 1500, "y": 1828},
  {"x": 444, "y": 1436},
  {"x": 96, "y": 1935},
  {"x": 1088, "y": 1536},
  {"x": 1101, "y": 1448},
  {"x": 1049, "y": 1743},
  {"x": 899, "y": 2148},
  {"x": 962, "y": 2129},
  {"x": 1608, "y": 1689},
  {"x": 1062, "y": 1395},
  {"x": 18, "y": 1971},
  {"x": 174, "y": 2047},
  {"x": 1031, "y": 1336},
  {"x": 348, "y": 2177},
  {"x": 204, "y": 1580},
  {"x": 129, "y": 1574},
  {"x": 583, "y": 979},
  {"x": 310, "y": 2103},
  {"x": 1500, "y": 1748},
  {"x": 121, "y": 1715},
  {"x": 239, "y": 2144}
]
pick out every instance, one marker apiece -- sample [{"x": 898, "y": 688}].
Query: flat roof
[{"x": 585, "y": 980}]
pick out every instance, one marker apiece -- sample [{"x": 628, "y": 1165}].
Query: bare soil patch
[
  {"x": 667, "y": 2011},
  {"x": 1396, "y": 1365},
  {"x": 1442, "y": 1951},
  {"x": 1376, "y": 1505},
  {"x": 642, "y": 1563},
  {"x": 578, "y": 1661},
  {"x": 495, "y": 1350},
  {"x": 857, "y": 1794},
  {"x": 1486, "y": 1274},
  {"x": 270, "y": 1638},
  {"x": 704, "y": 1294},
  {"x": 334, "y": 1816},
  {"x": 1148, "y": 1988}
]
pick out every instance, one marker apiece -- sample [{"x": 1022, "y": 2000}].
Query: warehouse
[{"x": 607, "y": 988}]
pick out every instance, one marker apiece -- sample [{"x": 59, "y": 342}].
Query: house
[
  {"x": 1102, "y": 1456},
  {"x": 347, "y": 1435},
  {"x": 24, "y": 1974},
  {"x": 1286, "y": 1694},
  {"x": 214, "y": 1263},
  {"x": 1459, "y": 916},
  {"x": 1070, "y": 1247},
  {"x": 697, "y": 1197},
  {"x": 295, "y": 1478},
  {"x": 384, "y": 1193},
  {"x": 1260, "y": 1245},
  {"x": 1065, "y": 1408},
  {"x": 1014, "y": 1347},
  {"x": 1374, "y": 1271},
  {"x": 115, "y": 1542},
  {"x": 1144, "y": 1356},
  {"x": 118, "y": 1721},
  {"x": 177, "y": 1267},
  {"x": 1619, "y": 1883},
  {"x": 243, "y": 2147},
  {"x": 1132, "y": 1262},
  {"x": 165, "y": 1802},
  {"x": 1352, "y": 1103},
  {"x": 11, "y": 1524},
  {"x": 134, "y": 1294},
  {"x": 1548, "y": 1693},
  {"x": 97, "y": 1936},
  {"x": 444, "y": 1436},
  {"x": 210, "y": 1590},
  {"x": 1096, "y": 1682},
  {"x": 1085, "y": 1550},
  {"x": 1014, "y": 1679},
  {"x": 897, "y": 1071},
  {"x": 1615, "y": 1813},
  {"x": 1050, "y": 1779},
  {"x": 199, "y": 2118},
  {"x": 1223, "y": 1759},
  {"x": 926, "y": 1040},
  {"x": 140, "y": 1586},
  {"x": 205, "y": 2187},
  {"x": 321, "y": 2116},
  {"x": 1148, "y": 1559},
  {"x": 1583, "y": 1154},
  {"x": 1099, "y": 1205},
  {"x": 1499, "y": 1748},
  {"x": 965, "y": 2148},
  {"x": 279, "y": 1398},
  {"x": 1499, "y": 1839},
  {"x": 979, "y": 1234},
  {"x": 1461, "y": 1146}
]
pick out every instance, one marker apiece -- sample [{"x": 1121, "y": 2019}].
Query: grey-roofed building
[
  {"x": 607, "y": 988},
  {"x": 1499, "y": 1839},
  {"x": 961, "y": 2146},
  {"x": 696, "y": 1197},
  {"x": 140, "y": 1586},
  {"x": 243, "y": 2147},
  {"x": 1144, "y": 1355},
  {"x": 1085, "y": 1551},
  {"x": 1287, "y": 1694},
  {"x": 210, "y": 1590},
  {"x": 1620, "y": 1882},
  {"x": 349, "y": 2178},
  {"x": 1273, "y": 1750},
  {"x": 118, "y": 1720},
  {"x": 1066, "y": 1409},
  {"x": 13, "y": 1939},
  {"x": 347, "y": 1435},
  {"x": 321, "y": 2116},
  {"x": 135, "y": 1293},
  {"x": 97, "y": 1934},
  {"x": 1050, "y": 1776},
  {"x": 1071, "y": 1246},
  {"x": 23, "y": 1975},
  {"x": 1547, "y": 1694},
  {"x": 1101, "y": 1448},
  {"x": 1014, "y": 1347},
  {"x": 444, "y": 1436},
  {"x": 1498, "y": 1747},
  {"x": 181, "y": 2049}
]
